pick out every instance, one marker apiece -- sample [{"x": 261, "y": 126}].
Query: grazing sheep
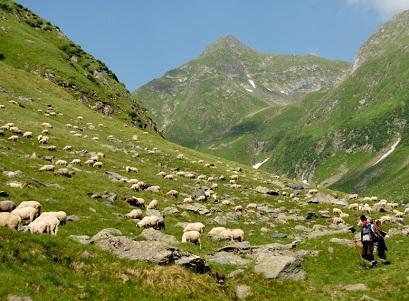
[
  {"x": 15, "y": 130},
  {"x": 232, "y": 182},
  {"x": 235, "y": 186},
  {"x": 7, "y": 206},
  {"x": 187, "y": 200},
  {"x": 47, "y": 224},
  {"x": 131, "y": 169},
  {"x": 97, "y": 164},
  {"x": 251, "y": 206},
  {"x": 216, "y": 231},
  {"x": 180, "y": 157},
  {"x": 46, "y": 125},
  {"x": 344, "y": 215},
  {"x": 398, "y": 213},
  {"x": 42, "y": 139},
  {"x": 189, "y": 175},
  {"x": 337, "y": 220},
  {"x": 134, "y": 213},
  {"x": 44, "y": 132},
  {"x": 153, "y": 188},
  {"x": 394, "y": 205},
  {"x": 134, "y": 201},
  {"x": 238, "y": 208},
  {"x": 352, "y": 196},
  {"x": 48, "y": 167},
  {"x": 100, "y": 155},
  {"x": 29, "y": 213},
  {"x": 231, "y": 234},
  {"x": 60, "y": 215},
  {"x": 366, "y": 208},
  {"x": 238, "y": 234},
  {"x": 336, "y": 211},
  {"x": 33, "y": 204},
  {"x": 385, "y": 219},
  {"x": 10, "y": 220},
  {"x": 75, "y": 162},
  {"x": 67, "y": 148},
  {"x": 406, "y": 211},
  {"x": 153, "y": 204},
  {"x": 65, "y": 172},
  {"x": 13, "y": 138},
  {"x": 28, "y": 134},
  {"x": 61, "y": 162},
  {"x": 173, "y": 193},
  {"x": 234, "y": 177},
  {"x": 51, "y": 148},
  {"x": 313, "y": 191},
  {"x": 192, "y": 236},
  {"x": 214, "y": 186},
  {"x": 199, "y": 227},
  {"x": 89, "y": 162},
  {"x": 161, "y": 174},
  {"x": 201, "y": 177},
  {"x": 169, "y": 177},
  {"x": 149, "y": 221},
  {"x": 353, "y": 206}
]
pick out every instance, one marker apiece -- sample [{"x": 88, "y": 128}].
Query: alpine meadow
[{"x": 240, "y": 175}]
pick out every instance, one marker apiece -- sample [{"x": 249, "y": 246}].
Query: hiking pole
[{"x": 353, "y": 230}]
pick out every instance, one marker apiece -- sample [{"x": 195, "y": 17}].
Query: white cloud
[{"x": 385, "y": 8}]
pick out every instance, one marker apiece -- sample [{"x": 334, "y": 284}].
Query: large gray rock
[
  {"x": 170, "y": 211},
  {"x": 155, "y": 235},
  {"x": 265, "y": 190},
  {"x": 280, "y": 267},
  {"x": 157, "y": 252},
  {"x": 228, "y": 258},
  {"x": 104, "y": 234},
  {"x": 82, "y": 239},
  {"x": 198, "y": 193},
  {"x": 324, "y": 198},
  {"x": 195, "y": 207}
]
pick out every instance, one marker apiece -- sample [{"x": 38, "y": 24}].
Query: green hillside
[
  {"x": 284, "y": 231},
  {"x": 227, "y": 82}
]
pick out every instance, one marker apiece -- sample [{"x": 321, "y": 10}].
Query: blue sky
[{"x": 141, "y": 40}]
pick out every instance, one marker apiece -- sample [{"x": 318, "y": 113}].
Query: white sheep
[
  {"x": 232, "y": 234},
  {"x": 216, "y": 231},
  {"x": 134, "y": 213},
  {"x": 45, "y": 225},
  {"x": 187, "y": 200},
  {"x": 251, "y": 206},
  {"x": 180, "y": 157},
  {"x": 192, "y": 236},
  {"x": 61, "y": 162},
  {"x": 173, "y": 193},
  {"x": 385, "y": 219},
  {"x": 169, "y": 177},
  {"x": 149, "y": 221},
  {"x": 153, "y": 204},
  {"x": 199, "y": 227},
  {"x": 75, "y": 162},
  {"x": 46, "y": 125},
  {"x": 234, "y": 177},
  {"x": 29, "y": 213},
  {"x": 131, "y": 169},
  {"x": 60, "y": 215},
  {"x": 406, "y": 211},
  {"x": 10, "y": 220},
  {"x": 161, "y": 174},
  {"x": 28, "y": 134},
  {"x": 398, "y": 213},
  {"x": 353, "y": 206},
  {"x": 97, "y": 164},
  {"x": 337, "y": 220},
  {"x": 44, "y": 132},
  {"x": 15, "y": 130},
  {"x": 13, "y": 138},
  {"x": 344, "y": 215},
  {"x": 33, "y": 204},
  {"x": 238, "y": 208},
  {"x": 48, "y": 167},
  {"x": 336, "y": 211},
  {"x": 67, "y": 148}
]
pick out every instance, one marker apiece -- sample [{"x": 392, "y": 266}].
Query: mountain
[
  {"x": 33, "y": 45},
  {"x": 228, "y": 82},
  {"x": 291, "y": 248},
  {"x": 353, "y": 137}
]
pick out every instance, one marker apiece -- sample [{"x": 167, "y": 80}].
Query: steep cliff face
[{"x": 205, "y": 98}]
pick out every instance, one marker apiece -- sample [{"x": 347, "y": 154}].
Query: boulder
[
  {"x": 195, "y": 207},
  {"x": 342, "y": 241},
  {"x": 151, "y": 234},
  {"x": 280, "y": 267},
  {"x": 236, "y": 273},
  {"x": 324, "y": 214},
  {"x": 356, "y": 287},
  {"x": 265, "y": 190},
  {"x": 279, "y": 235},
  {"x": 243, "y": 292},
  {"x": 170, "y": 211},
  {"x": 73, "y": 218},
  {"x": 115, "y": 177},
  {"x": 104, "y": 234},
  {"x": 227, "y": 258},
  {"x": 82, "y": 239}
]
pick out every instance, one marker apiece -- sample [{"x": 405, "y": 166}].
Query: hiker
[
  {"x": 367, "y": 239},
  {"x": 379, "y": 235}
]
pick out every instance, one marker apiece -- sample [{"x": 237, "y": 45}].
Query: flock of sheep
[{"x": 12, "y": 216}]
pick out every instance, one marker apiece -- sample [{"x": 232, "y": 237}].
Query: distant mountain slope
[
  {"x": 32, "y": 44},
  {"x": 354, "y": 137},
  {"x": 227, "y": 82}
]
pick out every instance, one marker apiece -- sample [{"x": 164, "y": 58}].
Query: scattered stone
[
  {"x": 194, "y": 263},
  {"x": 279, "y": 235},
  {"x": 265, "y": 190},
  {"x": 236, "y": 273},
  {"x": 92, "y": 210},
  {"x": 227, "y": 258},
  {"x": 280, "y": 267},
  {"x": 311, "y": 215},
  {"x": 151, "y": 234},
  {"x": 105, "y": 234},
  {"x": 13, "y": 174},
  {"x": 324, "y": 214},
  {"x": 82, "y": 239},
  {"x": 356, "y": 287},
  {"x": 342, "y": 241},
  {"x": 195, "y": 207},
  {"x": 220, "y": 220},
  {"x": 73, "y": 218},
  {"x": 199, "y": 194},
  {"x": 115, "y": 177},
  {"x": 170, "y": 211},
  {"x": 243, "y": 292}
]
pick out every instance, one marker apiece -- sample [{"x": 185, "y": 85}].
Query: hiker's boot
[{"x": 384, "y": 261}]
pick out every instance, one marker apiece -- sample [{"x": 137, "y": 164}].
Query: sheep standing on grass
[
  {"x": 134, "y": 214},
  {"x": 153, "y": 204},
  {"x": 149, "y": 221},
  {"x": 173, "y": 193},
  {"x": 10, "y": 220},
  {"x": 47, "y": 224},
  {"x": 29, "y": 213},
  {"x": 7, "y": 206},
  {"x": 33, "y": 204},
  {"x": 192, "y": 236},
  {"x": 199, "y": 227},
  {"x": 60, "y": 215},
  {"x": 216, "y": 231}
]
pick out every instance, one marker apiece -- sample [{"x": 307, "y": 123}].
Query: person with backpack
[
  {"x": 367, "y": 240},
  {"x": 379, "y": 241}
]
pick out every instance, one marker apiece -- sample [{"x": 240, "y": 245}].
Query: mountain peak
[{"x": 227, "y": 42}]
